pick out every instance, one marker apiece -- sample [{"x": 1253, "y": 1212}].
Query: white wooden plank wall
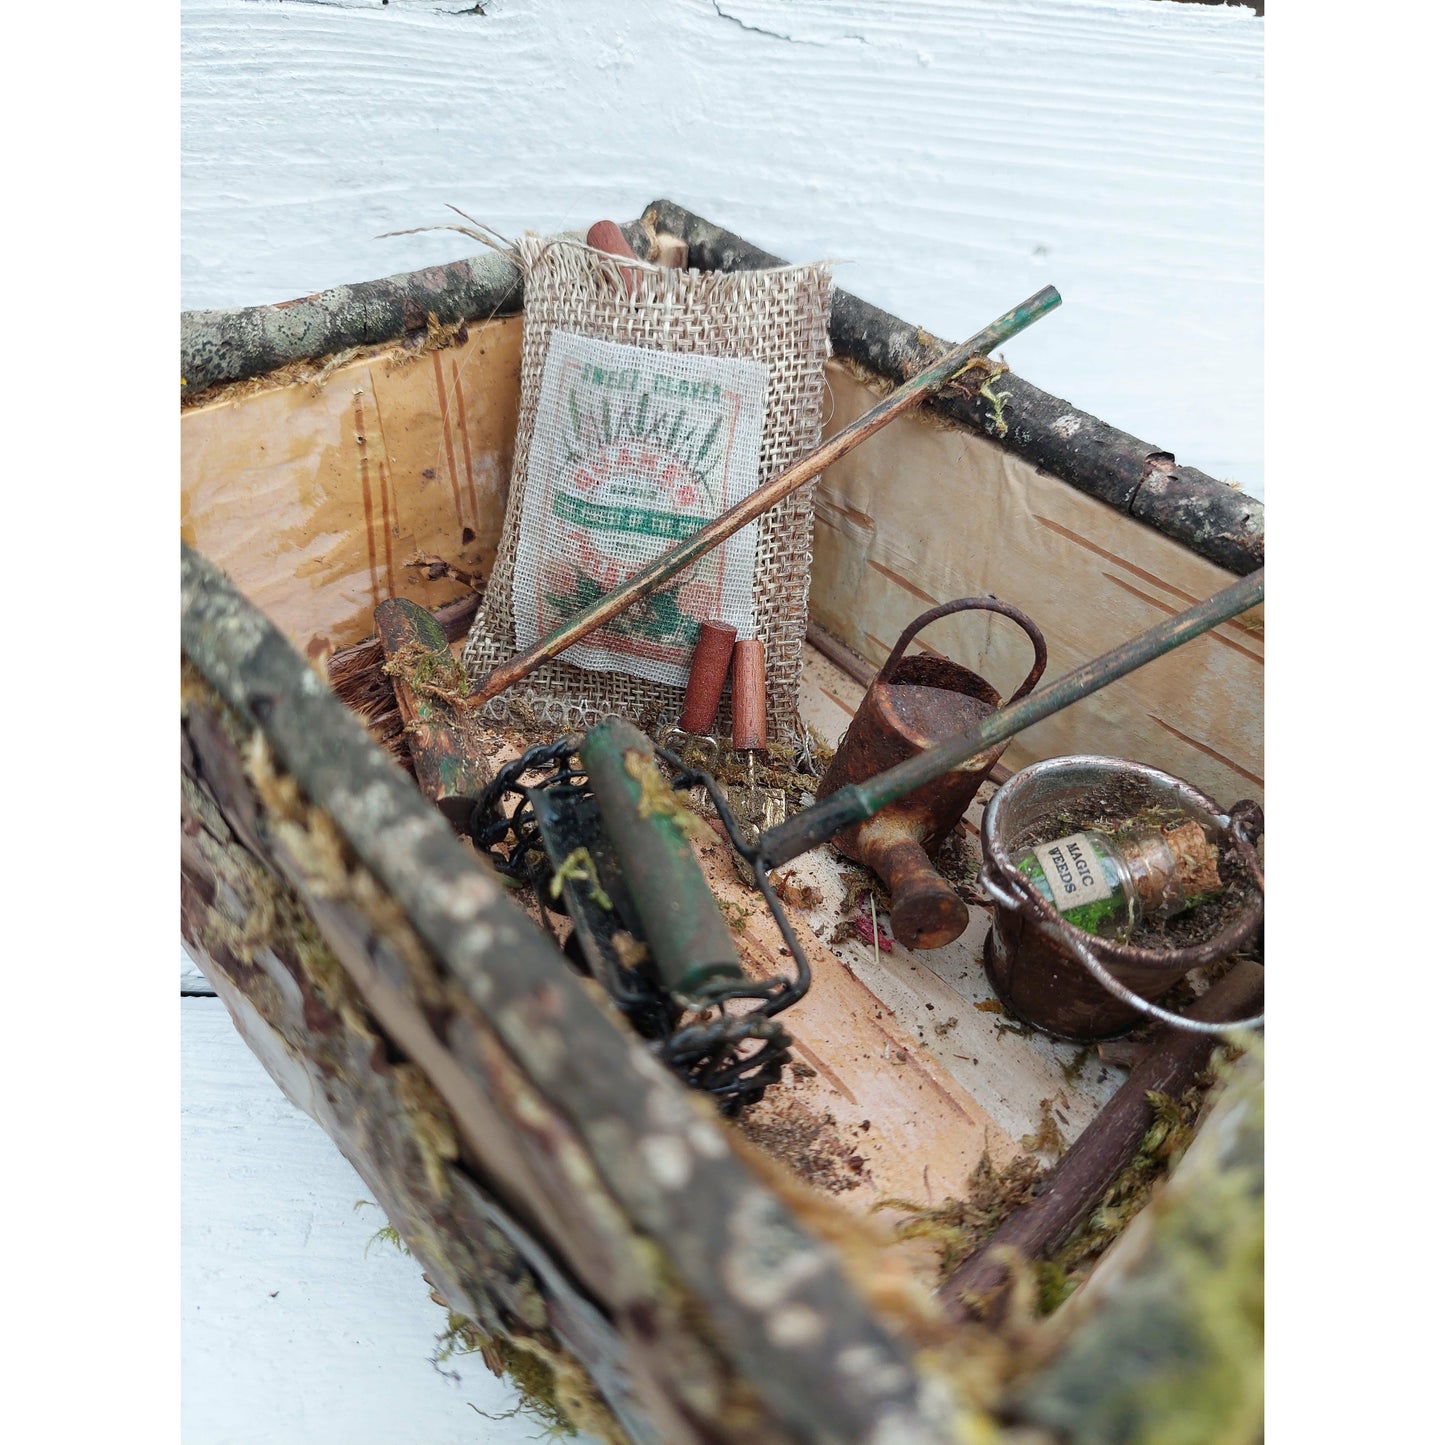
[
  {"x": 297, "y": 1328},
  {"x": 952, "y": 155}
]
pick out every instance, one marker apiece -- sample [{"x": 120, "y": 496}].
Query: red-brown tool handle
[
  {"x": 607, "y": 236},
  {"x": 750, "y": 694},
  {"x": 710, "y": 665}
]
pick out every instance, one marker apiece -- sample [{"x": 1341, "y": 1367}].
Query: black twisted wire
[
  {"x": 489, "y": 825},
  {"x": 711, "y": 1051}
]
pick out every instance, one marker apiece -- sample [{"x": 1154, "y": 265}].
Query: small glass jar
[{"x": 1107, "y": 883}]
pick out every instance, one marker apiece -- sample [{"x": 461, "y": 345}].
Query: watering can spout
[{"x": 927, "y": 911}]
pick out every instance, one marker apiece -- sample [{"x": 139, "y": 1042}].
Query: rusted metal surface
[
  {"x": 854, "y": 802},
  {"x": 645, "y": 920},
  {"x": 913, "y": 703},
  {"x": 1029, "y": 954}
]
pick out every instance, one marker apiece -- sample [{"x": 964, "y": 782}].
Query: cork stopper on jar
[
  {"x": 1172, "y": 867},
  {"x": 1196, "y": 860}
]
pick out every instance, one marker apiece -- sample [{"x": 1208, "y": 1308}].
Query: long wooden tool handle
[{"x": 922, "y": 386}]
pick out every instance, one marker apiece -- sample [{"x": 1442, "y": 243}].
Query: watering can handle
[{"x": 971, "y": 604}]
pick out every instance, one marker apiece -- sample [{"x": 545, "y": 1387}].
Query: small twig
[
  {"x": 482, "y": 224},
  {"x": 478, "y": 231},
  {"x": 439, "y": 567}
]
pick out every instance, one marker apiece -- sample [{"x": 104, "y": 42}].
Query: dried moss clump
[
  {"x": 578, "y": 867},
  {"x": 428, "y": 671},
  {"x": 1047, "y": 1138},
  {"x": 958, "y": 1226},
  {"x": 1167, "y": 1137},
  {"x": 992, "y": 370},
  {"x": 660, "y": 798},
  {"x": 1174, "y": 1350},
  {"x": 535, "y": 1379},
  {"x": 387, "y": 1234},
  {"x": 792, "y": 770}
]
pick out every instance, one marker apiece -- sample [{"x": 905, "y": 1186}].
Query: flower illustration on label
[{"x": 642, "y": 449}]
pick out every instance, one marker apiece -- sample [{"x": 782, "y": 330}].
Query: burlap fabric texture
[{"x": 778, "y": 317}]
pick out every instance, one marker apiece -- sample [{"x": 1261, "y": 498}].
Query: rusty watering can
[{"x": 912, "y": 703}]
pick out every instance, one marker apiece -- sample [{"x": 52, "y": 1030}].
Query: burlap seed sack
[{"x": 642, "y": 417}]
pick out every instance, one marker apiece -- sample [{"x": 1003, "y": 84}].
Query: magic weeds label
[
  {"x": 1073, "y": 871},
  {"x": 632, "y": 452}
]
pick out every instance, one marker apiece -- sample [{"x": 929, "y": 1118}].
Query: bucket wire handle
[
  {"x": 1244, "y": 818},
  {"x": 979, "y": 604}
]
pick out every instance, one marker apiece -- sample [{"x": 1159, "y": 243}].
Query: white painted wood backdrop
[{"x": 952, "y": 155}]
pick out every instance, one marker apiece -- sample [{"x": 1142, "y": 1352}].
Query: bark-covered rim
[
  {"x": 726, "y": 1240},
  {"x": 1144, "y": 482}
]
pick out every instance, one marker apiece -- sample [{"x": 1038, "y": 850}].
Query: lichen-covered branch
[
  {"x": 1109, "y": 1141},
  {"x": 299, "y": 1012},
  {"x": 738, "y": 1323},
  {"x": 1166, "y": 1341},
  {"x": 1141, "y": 480},
  {"x": 226, "y": 345}
]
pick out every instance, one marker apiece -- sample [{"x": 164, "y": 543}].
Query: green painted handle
[{"x": 689, "y": 941}]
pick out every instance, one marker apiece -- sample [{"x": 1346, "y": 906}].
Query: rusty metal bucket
[
  {"x": 1073, "y": 984},
  {"x": 911, "y": 704}
]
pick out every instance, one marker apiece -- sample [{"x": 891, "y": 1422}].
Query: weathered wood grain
[
  {"x": 350, "y": 478},
  {"x": 1084, "y": 1173},
  {"x": 1166, "y": 1339}
]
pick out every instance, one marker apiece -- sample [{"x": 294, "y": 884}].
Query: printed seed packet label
[
  {"x": 1073, "y": 871},
  {"x": 632, "y": 452}
]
